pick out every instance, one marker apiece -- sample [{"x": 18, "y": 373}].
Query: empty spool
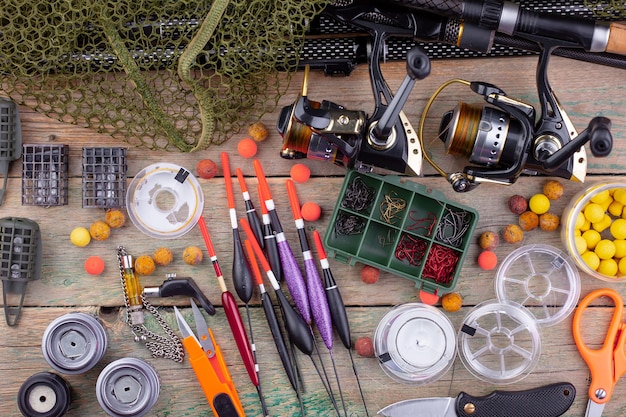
[{"x": 164, "y": 201}]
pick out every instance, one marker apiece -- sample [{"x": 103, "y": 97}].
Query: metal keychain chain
[{"x": 169, "y": 347}]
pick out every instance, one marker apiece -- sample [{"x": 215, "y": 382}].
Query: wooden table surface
[{"x": 585, "y": 90}]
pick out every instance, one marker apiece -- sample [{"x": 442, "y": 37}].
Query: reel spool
[
  {"x": 127, "y": 387},
  {"x": 44, "y": 395},
  {"x": 74, "y": 343}
]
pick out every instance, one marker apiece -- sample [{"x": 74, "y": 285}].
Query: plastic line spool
[
  {"x": 127, "y": 387},
  {"x": 499, "y": 343},
  {"x": 164, "y": 201},
  {"x": 104, "y": 177},
  {"x": 541, "y": 278},
  {"x": 415, "y": 343},
  {"x": 44, "y": 395},
  {"x": 45, "y": 175},
  {"x": 74, "y": 343}
]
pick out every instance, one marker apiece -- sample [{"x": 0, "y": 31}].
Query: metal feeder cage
[
  {"x": 10, "y": 138},
  {"x": 104, "y": 177},
  {"x": 20, "y": 261},
  {"x": 45, "y": 175}
]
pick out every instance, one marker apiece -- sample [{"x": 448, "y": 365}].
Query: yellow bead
[
  {"x": 620, "y": 248},
  {"x": 600, "y": 197},
  {"x": 618, "y": 229},
  {"x": 605, "y": 249},
  {"x": 592, "y": 237},
  {"x": 594, "y": 212},
  {"x": 591, "y": 259},
  {"x": 620, "y": 195},
  {"x": 80, "y": 236},
  {"x": 608, "y": 267},
  {"x": 580, "y": 220},
  {"x": 622, "y": 266},
  {"x": 615, "y": 208},
  {"x": 606, "y": 203},
  {"x": 586, "y": 226},
  {"x": 539, "y": 204},
  {"x": 581, "y": 244},
  {"x": 603, "y": 224}
]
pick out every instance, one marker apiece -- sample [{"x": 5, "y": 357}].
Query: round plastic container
[
  {"x": 568, "y": 232},
  {"x": 415, "y": 343},
  {"x": 499, "y": 342},
  {"x": 541, "y": 278},
  {"x": 164, "y": 201}
]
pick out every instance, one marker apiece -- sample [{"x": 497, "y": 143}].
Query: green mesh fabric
[{"x": 162, "y": 74}]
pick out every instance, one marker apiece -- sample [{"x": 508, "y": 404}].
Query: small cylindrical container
[{"x": 415, "y": 343}]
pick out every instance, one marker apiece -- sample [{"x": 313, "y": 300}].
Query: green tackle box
[{"x": 402, "y": 227}]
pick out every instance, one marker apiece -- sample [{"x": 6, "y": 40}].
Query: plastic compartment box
[{"x": 403, "y": 228}]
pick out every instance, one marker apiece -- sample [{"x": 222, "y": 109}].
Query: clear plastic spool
[
  {"x": 127, "y": 387},
  {"x": 499, "y": 342},
  {"x": 74, "y": 343},
  {"x": 541, "y": 278},
  {"x": 164, "y": 201},
  {"x": 415, "y": 343}
]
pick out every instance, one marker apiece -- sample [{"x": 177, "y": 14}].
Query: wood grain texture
[{"x": 585, "y": 90}]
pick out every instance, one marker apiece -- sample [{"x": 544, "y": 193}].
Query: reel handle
[
  {"x": 418, "y": 68},
  {"x": 598, "y": 134}
]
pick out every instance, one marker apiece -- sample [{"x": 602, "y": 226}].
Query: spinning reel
[
  {"x": 501, "y": 141},
  {"x": 504, "y": 141}
]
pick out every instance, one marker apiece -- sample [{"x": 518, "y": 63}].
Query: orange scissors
[
  {"x": 208, "y": 363},
  {"x": 608, "y": 363}
]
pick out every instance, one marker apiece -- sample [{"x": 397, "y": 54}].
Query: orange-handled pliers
[
  {"x": 208, "y": 363},
  {"x": 608, "y": 363}
]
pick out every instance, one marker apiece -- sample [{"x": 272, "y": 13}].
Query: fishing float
[
  {"x": 269, "y": 236},
  {"x": 315, "y": 291},
  {"x": 251, "y": 213},
  {"x": 235, "y": 322},
  {"x": 337, "y": 308},
  {"x": 242, "y": 277},
  {"x": 291, "y": 271},
  {"x": 272, "y": 321},
  {"x": 298, "y": 329}
]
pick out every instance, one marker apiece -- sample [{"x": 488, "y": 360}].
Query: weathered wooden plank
[
  {"x": 180, "y": 393},
  {"x": 584, "y": 90}
]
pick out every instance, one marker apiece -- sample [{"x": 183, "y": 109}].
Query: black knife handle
[{"x": 547, "y": 401}]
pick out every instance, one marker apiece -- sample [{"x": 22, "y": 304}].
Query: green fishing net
[{"x": 161, "y": 74}]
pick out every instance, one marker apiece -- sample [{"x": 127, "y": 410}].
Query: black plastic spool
[{"x": 44, "y": 395}]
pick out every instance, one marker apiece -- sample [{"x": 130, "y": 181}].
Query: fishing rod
[
  {"x": 533, "y": 141},
  {"x": 315, "y": 291},
  {"x": 298, "y": 329},
  {"x": 234, "y": 318},
  {"x": 510, "y": 18}
]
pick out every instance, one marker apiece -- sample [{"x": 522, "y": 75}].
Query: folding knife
[{"x": 546, "y": 401}]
